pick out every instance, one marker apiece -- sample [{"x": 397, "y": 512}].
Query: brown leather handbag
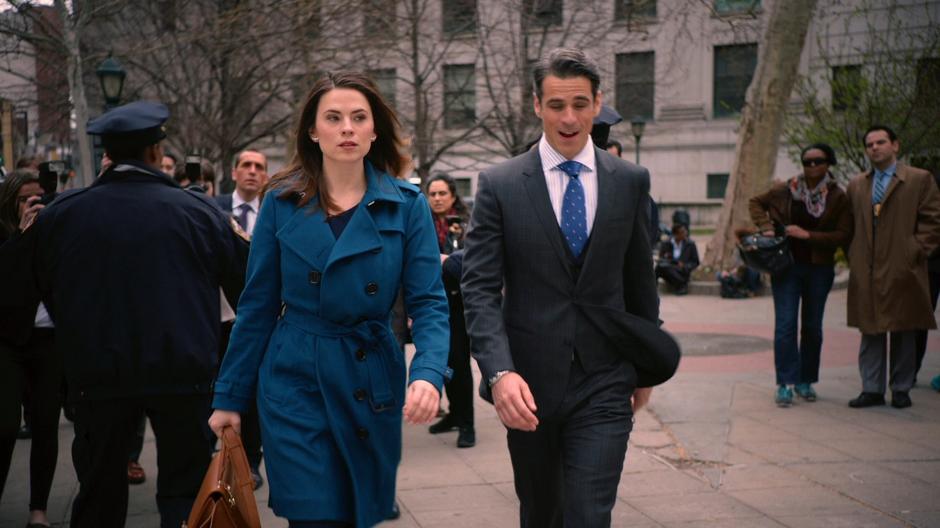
[{"x": 226, "y": 498}]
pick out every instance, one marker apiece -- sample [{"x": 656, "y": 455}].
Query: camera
[
  {"x": 453, "y": 219},
  {"x": 50, "y": 174}
]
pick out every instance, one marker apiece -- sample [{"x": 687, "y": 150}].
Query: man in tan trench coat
[{"x": 896, "y": 220}]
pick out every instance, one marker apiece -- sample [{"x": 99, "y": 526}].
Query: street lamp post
[
  {"x": 637, "y": 125},
  {"x": 111, "y": 76}
]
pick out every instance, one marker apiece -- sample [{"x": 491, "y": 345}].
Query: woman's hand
[
  {"x": 795, "y": 231},
  {"x": 220, "y": 419},
  {"x": 421, "y": 402},
  {"x": 32, "y": 211}
]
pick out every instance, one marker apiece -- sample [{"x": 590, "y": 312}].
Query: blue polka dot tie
[{"x": 573, "y": 216}]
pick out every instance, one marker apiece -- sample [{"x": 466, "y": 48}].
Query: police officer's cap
[{"x": 137, "y": 124}]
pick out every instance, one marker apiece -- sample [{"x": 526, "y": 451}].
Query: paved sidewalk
[{"x": 712, "y": 450}]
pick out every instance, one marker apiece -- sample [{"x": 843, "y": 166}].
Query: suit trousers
[
  {"x": 103, "y": 430},
  {"x": 871, "y": 361},
  {"x": 567, "y": 471}
]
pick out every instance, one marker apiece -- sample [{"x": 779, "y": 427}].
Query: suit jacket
[
  {"x": 688, "y": 256},
  {"x": 528, "y": 308},
  {"x": 225, "y": 202}
]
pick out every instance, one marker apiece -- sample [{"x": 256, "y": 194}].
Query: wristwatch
[{"x": 495, "y": 377}]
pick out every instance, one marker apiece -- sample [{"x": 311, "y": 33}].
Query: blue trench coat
[{"x": 313, "y": 335}]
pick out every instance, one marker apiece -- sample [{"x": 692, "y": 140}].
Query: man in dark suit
[
  {"x": 678, "y": 258},
  {"x": 250, "y": 174},
  {"x": 558, "y": 242}
]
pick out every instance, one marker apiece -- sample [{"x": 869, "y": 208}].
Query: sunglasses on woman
[{"x": 815, "y": 162}]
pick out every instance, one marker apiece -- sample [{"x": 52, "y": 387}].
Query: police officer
[{"x": 132, "y": 266}]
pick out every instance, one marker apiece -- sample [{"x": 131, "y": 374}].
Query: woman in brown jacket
[{"x": 814, "y": 212}]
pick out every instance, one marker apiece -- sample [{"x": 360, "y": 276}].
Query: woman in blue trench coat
[{"x": 335, "y": 239}]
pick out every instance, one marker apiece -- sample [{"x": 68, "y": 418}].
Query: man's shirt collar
[{"x": 551, "y": 157}]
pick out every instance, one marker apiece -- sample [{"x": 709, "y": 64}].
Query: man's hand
[
  {"x": 421, "y": 402},
  {"x": 32, "y": 211},
  {"x": 514, "y": 402},
  {"x": 641, "y": 397}
]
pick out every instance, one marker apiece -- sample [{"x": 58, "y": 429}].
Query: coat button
[
  {"x": 372, "y": 288},
  {"x": 315, "y": 277},
  {"x": 360, "y": 394},
  {"x": 362, "y": 433},
  {"x": 361, "y": 355}
]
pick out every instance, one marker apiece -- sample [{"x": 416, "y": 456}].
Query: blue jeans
[{"x": 809, "y": 283}]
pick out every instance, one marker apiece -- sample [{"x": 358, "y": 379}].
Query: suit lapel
[
  {"x": 534, "y": 182},
  {"x": 605, "y": 206}
]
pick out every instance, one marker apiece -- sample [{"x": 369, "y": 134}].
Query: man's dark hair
[
  {"x": 170, "y": 155},
  {"x": 825, "y": 148},
  {"x": 122, "y": 152},
  {"x": 874, "y": 128},
  {"x": 565, "y": 63},
  {"x": 616, "y": 144}
]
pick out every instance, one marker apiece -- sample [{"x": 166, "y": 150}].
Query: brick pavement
[{"x": 713, "y": 450}]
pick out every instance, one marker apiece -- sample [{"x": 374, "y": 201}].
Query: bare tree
[{"x": 761, "y": 121}]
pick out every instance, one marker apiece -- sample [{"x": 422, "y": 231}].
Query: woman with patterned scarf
[{"x": 814, "y": 213}]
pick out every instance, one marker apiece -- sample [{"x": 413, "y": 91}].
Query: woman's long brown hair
[
  {"x": 302, "y": 179},
  {"x": 9, "y": 206}
]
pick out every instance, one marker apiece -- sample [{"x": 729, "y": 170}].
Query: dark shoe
[
  {"x": 443, "y": 425},
  {"x": 24, "y": 432},
  {"x": 394, "y": 514},
  {"x": 256, "y": 478},
  {"x": 467, "y": 437},
  {"x": 805, "y": 391},
  {"x": 38, "y": 525},
  {"x": 900, "y": 400},
  {"x": 135, "y": 473},
  {"x": 867, "y": 399},
  {"x": 682, "y": 290}
]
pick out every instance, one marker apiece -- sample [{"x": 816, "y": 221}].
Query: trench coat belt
[{"x": 377, "y": 348}]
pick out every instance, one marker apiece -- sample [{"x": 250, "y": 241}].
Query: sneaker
[
  {"x": 784, "y": 396},
  {"x": 805, "y": 391},
  {"x": 935, "y": 383}
]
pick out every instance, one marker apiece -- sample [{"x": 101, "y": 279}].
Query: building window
[
  {"x": 635, "y": 84},
  {"x": 460, "y": 96},
  {"x": 846, "y": 87},
  {"x": 543, "y": 12},
  {"x": 725, "y": 7},
  {"x": 717, "y": 183},
  {"x": 385, "y": 80},
  {"x": 634, "y": 9},
  {"x": 379, "y": 18},
  {"x": 463, "y": 189},
  {"x": 459, "y": 16},
  {"x": 734, "y": 68}
]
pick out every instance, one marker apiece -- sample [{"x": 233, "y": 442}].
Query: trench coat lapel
[
  {"x": 362, "y": 235},
  {"x": 308, "y": 235},
  {"x": 534, "y": 182},
  {"x": 899, "y": 177}
]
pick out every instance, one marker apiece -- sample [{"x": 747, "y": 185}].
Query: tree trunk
[
  {"x": 761, "y": 122},
  {"x": 86, "y": 164}
]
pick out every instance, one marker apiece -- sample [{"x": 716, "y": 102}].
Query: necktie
[
  {"x": 881, "y": 184},
  {"x": 242, "y": 217},
  {"x": 573, "y": 216}
]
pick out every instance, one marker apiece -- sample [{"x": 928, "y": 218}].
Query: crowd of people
[{"x": 280, "y": 310}]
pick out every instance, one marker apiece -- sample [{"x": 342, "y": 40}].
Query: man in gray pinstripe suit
[{"x": 561, "y": 304}]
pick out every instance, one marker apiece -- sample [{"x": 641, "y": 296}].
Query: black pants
[
  {"x": 566, "y": 472},
  {"x": 37, "y": 366},
  {"x": 251, "y": 425},
  {"x": 103, "y": 429},
  {"x": 673, "y": 275},
  {"x": 921, "y": 349},
  {"x": 460, "y": 387}
]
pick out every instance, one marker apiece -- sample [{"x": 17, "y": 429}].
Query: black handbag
[{"x": 768, "y": 254}]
